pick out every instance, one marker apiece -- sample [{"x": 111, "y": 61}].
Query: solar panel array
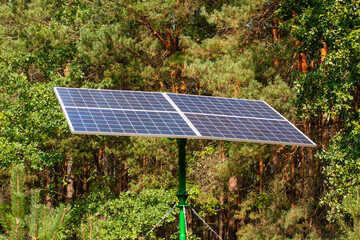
[{"x": 135, "y": 113}]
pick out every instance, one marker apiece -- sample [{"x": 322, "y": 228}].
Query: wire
[
  {"x": 162, "y": 219},
  {"x": 185, "y": 221},
  {"x": 205, "y": 223}
]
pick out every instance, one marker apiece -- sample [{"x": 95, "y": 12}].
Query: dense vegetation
[{"x": 302, "y": 57}]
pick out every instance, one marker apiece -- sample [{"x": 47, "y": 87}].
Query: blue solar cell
[
  {"x": 127, "y": 122},
  {"x": 97, "y": 98},
  {"x": 251, "y": 130},
  {"x": 224, "y": 106}
]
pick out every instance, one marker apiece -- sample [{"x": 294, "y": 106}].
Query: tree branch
[{"x": 153, "y": 31}]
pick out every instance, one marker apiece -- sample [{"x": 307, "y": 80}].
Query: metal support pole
[{"x": 182, "y": 193}]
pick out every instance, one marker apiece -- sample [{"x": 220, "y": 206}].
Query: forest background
[{"x": 301, "y": 57}]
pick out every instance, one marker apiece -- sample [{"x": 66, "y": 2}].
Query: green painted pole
[{"x": 182, "y": 193}]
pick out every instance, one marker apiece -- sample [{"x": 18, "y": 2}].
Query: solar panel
[
  {"x": 130, "y": 100},
  {"x": 249, "y": 129},
  {"x": 224, "y": 106},
  {"x": 123, "y": 122},
  {"x": 135, "y": 113}
]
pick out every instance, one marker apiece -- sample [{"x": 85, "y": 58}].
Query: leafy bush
[{"x": 130, "y": 216}]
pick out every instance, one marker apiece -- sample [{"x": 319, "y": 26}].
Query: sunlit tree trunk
[
  {"x": 301, "y": 60},
  {"x": 70, "y": 189},
  {"x": 276, "y": 37},
  {"x": 323, "y": 52}
]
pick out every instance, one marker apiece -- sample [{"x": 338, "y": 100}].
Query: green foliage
[
  {"x": 38, "y": 222},
  {"x": 268, "y": 215},
  {"x": 331, "y": 91},
  {"x": 28, "y": 122},
  {"x": 205, "y": 191},
  {"x": 87, "y": 230},
  {"x": 351, "y": 205},
  {"x": 13, "y": 217},
  {"x": 163, "y": 152},
  {"x": 84, "y": 209},
  {"x": 221, "y": 48},
  {"x": 343, "y": 168},
  {"x": 45, "y": 222},
  {"x": 129, "y": 216}
]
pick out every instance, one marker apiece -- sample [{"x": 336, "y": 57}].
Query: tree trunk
[
  {"x": 304, "y": 68},
  {"x": 70, "y": 189},
  {"x": 276, "y": 37},
  {"x": 275, "y": 159},
  {"x": 293, "y": 188},
  {"x": 222, "y": 217},
  {"x": 47, "y": 186},
  {"x": 323, "y": 52},
  {"x": 102, "y": 163},
  {"x": 86, "y": 171},
  {"x": 106, "y": 164},
  {"x": 233, "y": 190},
  {"x": 119, "y": 177},
  {"x": 301, "y": 60},
  {"x": 261, "y": 173}
]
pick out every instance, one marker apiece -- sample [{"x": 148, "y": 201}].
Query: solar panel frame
[{"x": 168, "y": 103}]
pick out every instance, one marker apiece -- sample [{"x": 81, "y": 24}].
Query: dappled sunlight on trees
[{"x": 301, "y": 57}]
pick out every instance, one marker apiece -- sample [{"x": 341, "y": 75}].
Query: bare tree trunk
[
  {"x": 70, "y": 190},
  {"x": 304, "y": 67},
  {"x": 276, "y": 37},
  {"x": 63, "y": 186},
  {"x": 222, "y": 217},
  {"x": 103, "y": 162},
  {"x": 106, "y": 164},
  {"x": 119, "y": 177},
  {"x": 122, "y": 177},
  {"x": 47, "y": 185},
  {"x": 275, "y": 159},
  {"x": 301, "y": 60},
  {"x": 293, "y": 188},
  {"x": 323, "y": 52},
  {"x": 86, "y": 171},
  {"x": 233, "y": 190},
  {"x": 261, "y": 173}
]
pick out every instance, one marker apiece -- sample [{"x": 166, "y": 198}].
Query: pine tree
[
  {"x": 13, "y": 218},
  {"x": 38, "y": 222},
  {"x": 45, "y": 222},
  {"x": 351, "y": 205}
]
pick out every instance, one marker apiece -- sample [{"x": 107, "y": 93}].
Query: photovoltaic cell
[
  {"x": 224, "y": 106},
  {"x": 129, "y": 113},
  {"x": 124, "y": 122},
  {"x": 247, "y": 129},
  {"x": 130, "y": 100}
]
